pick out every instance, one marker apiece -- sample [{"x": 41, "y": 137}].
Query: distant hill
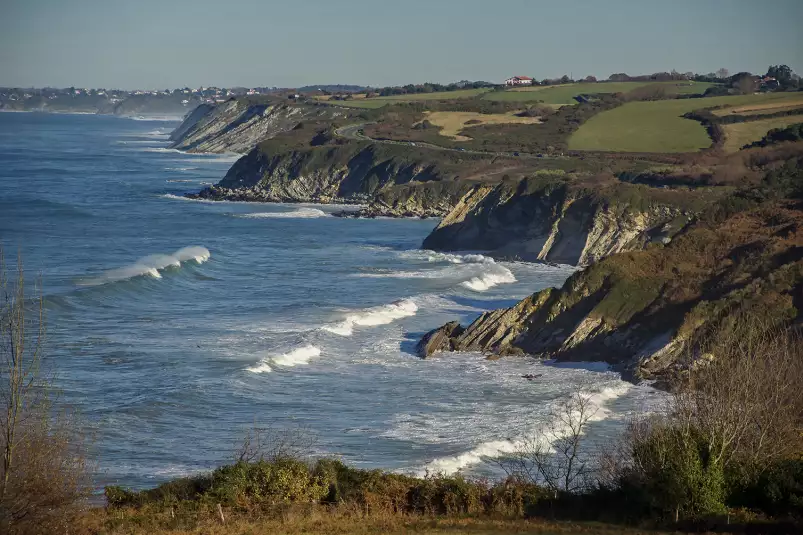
[{"x": 334, "y": 88}]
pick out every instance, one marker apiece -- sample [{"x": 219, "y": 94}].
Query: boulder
[{"x": 439, "y": 340}]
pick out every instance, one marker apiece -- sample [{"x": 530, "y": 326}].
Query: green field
[
  {"x": 378, "y": 102},
  {"x": 564, "y": 94},
  {"x": 737, "y": 135},
  {"x": 657, "y": 126}
]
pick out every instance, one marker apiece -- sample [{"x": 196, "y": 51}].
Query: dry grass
[
  {"x": 316, "y": 520},
  {"x": 452, "y": 122},
  {"x": 738, "y": 135},
  {"x": 793, "y": 102}
]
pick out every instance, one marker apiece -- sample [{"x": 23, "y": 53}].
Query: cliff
[
  {"x": 237, "y": 125},
  {"x": 642, "y": 310},
  {"x": 562, "y": 221},
  {"x": 311, "y": 164}
]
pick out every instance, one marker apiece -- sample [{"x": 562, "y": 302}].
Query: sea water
[{"x": 174, "y": 326}]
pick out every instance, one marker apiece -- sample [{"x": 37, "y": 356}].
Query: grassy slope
[
  {"x": 564, "y": 94},
  {"x": 738, "y": 135},
  {"x": 657, "y": 126}
]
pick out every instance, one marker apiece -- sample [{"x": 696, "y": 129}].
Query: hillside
[{"x": 640, "y": 310}]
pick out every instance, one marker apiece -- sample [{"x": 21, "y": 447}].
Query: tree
[
  {"x": 555, "y": 456},
  {"x": 782, "y": 73},
  {"x": 745, "y": 83},
  {"x": 43, "y": 475},
  {"x": 565, "y": 79},
  {"x": 590, "y": 79},
  {"x": 619, "y": 77},
  {"x": 722, "y": 73}
]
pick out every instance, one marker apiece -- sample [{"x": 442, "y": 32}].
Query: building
[{"x": 519, "y": 80}]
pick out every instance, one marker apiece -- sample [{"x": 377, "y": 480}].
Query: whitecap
[
  {"x": 369, "y": 317},
  {"x": 152, "y": 265},
  {"x": 486, "y": 281},
  {"x": 296, "y": 357}
]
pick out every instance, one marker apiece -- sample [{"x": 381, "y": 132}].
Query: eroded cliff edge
[
  {"x": 561, "y": 220},
  {"x": 238, "y": 125},
  {"x": 642, "y": 310}
]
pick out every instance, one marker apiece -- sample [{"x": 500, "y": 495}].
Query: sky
[{"x": 151, "y": 44}]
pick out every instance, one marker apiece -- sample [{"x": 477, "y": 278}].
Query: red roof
[{"x": 523, "y": 77}]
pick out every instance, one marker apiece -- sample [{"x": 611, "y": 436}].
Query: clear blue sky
[{"x": 173, "y": 43}]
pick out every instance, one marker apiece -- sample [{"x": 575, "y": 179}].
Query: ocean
[{"x": 174, "y": 326}]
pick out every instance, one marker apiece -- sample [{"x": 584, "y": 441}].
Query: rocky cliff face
[
  {"x": 641, "y": 310},
  {"x": 548, "y": 220},
  {"x": 237, "y": 125},
  {"x": 314, "y": 166}
]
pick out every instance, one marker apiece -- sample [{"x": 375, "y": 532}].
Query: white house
[{"x": 519, "y": 80}]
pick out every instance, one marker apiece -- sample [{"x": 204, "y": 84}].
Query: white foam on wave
[
  {"x": 180, "y": 168},
  {"x": 296, "y": 357},
  {"x": 487, "y": 280},
  {"x": 183, "y": 180},
  {"x": 152, "y": 265},
  {"x": 459, "y": 259},
  {"x": 301, "y": 213},
  {"x": 161, "y": 149},
  {"x": 556, "y": 429},
  {"x": 369, "y": 317}
]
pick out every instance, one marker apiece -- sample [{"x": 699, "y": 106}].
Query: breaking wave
[
  {"x": 459, "y": 259},
  {"x": 180, "y": 168},
  {"x": 296, "y": 357},
  {"x": 152, "y": 265},
  {"x": 558, "y": 428},
  {"x": 303, "y": 213},
  {"x": 486, "y": 281},
  {"x": 369, "y": 317}
]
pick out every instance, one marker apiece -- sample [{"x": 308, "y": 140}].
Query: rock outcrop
[
  {"x": 309, "y": 164},
  {"x": 639, "y": 310},
  {"x": 238, "y": 125},
  {"x": 551, "y": 221}
]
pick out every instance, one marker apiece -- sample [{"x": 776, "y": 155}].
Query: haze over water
[{"x": 174, "y": 325}]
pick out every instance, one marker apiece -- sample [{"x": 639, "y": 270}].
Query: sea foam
[
  {"x": 558, "y": 428},
  {"x": 302, "y": 213},
  {"x": 369, "y": 317},
  {"x": 152, "y": 265}
]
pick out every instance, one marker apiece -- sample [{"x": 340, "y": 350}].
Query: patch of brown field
[
  {"x": 453, "y": 122},
  {"x": 760, "y": 109},
  {"x": 312, "y": 520},
  {"x": 737, "y": 135}
]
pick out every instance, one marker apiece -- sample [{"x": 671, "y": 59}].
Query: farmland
[
  {"x": 659, "y": 126},
  {"x": 452, "y": 122},
  {"x": 359, "y": 101},
  {"x": 564, "y": 94},
  {"x": 738, "y": 135}
]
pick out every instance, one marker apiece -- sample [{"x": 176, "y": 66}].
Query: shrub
[{"x": 283, "y": 480}]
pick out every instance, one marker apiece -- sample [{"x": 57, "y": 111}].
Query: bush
[
  {"x": 777, "y": 492},
  {"x": 283, "y": 480},
  {"x": 673, "y": 469}
]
